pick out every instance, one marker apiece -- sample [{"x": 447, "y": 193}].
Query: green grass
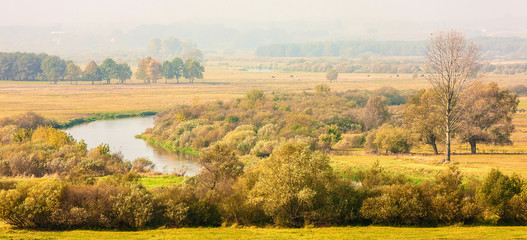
[
  {"x": 167, "y": 145},
  {"x": 160, "y": 181},
  {"x": 372, "y": 232}
]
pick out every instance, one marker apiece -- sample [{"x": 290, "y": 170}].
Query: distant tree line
[
  {"x": 363, "y": 65},
  {"x": 42, "y": 67},
  {"x": 343, "y": 49},
  {"x": 376, "y": 65},
  {"x": 150, "y": 70},
  {"x": 490, "y": 47}
]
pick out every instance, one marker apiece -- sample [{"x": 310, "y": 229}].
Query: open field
[
  {"x": 65, "y": 102},
  {"x": 372, "y": 232}
]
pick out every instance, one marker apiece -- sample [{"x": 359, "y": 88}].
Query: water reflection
[{"x": 120, "y": 135}]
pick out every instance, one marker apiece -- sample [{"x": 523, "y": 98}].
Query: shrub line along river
[{"x": 120, "y": 134}]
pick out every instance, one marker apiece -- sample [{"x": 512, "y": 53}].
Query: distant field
[
  {"x": 65, "y": 102},
  {"x": 371, "y": 232}
]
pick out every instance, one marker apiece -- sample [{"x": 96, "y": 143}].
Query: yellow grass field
[
  {"x": 371, "y": 232},
  {"x": 65, "y": 102}
]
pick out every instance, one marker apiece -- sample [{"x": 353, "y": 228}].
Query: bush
[
  {"x": 395, "y": 205},
  {"x": 31, "y": 204},
  {"x": 293, "y": 185},
  {"x": 497, "y": 192},
  {"x": 143, "y": 165},
  {"x": 390, "y": 139}
]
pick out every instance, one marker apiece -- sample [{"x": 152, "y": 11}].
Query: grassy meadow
[
  {"x": 371, "y": 232},
  {"x": 65, "y": 102}
]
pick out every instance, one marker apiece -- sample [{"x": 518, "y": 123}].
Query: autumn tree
[
  {"x": 73, "y": 72},
  {"x": 193, "y": 69},
  {"x": 92, "y": 72},
  {"x": 375, "y": 112},
  {"x": 423, "y": 116},
  {"x": 148, "y": 70},
  {"x": 332, "y": 74},
  {"x": 487, "y": 115},
  {"x": 109, "y": 70},
  {"x": 219, "y": 165},
  {"x": 53, "y": 68},
  {"x": 452, "y": 63}
]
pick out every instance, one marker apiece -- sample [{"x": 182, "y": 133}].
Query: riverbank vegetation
[
  {"x": 291, "y": 182},
  {"x": 294, "y": 187},
  {"x": 381, "y": 121}
]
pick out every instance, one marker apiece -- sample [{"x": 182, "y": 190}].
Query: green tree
[
  {"x": 123, "y": 72},
  {"x": 73, "y": 72},
  {"x": 332, "y": 74},
  {"x": 375, "y": 112},
  {"x": 109, "y": 70},
  {"x": 193, "y": 69},
  {"x": 178, "y": 68},
  {"x": 167, "y": 70},
  {"x": 487, "y": 115},
  {"x": 92, "y": 72},
  {"x": 293, "y": 183},
  {"x": 423, "y": 116},
  {"x": 53, "y": 68},
  {"x": 219, "y": 165}
]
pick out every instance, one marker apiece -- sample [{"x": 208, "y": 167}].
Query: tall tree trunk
[
  {"x": 447, "y": 143},
  {"x": 472, "y": 147},
  {"x": 434, "y": 146}
]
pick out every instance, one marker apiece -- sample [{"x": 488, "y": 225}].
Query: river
[{"x": 120, "y": 134}]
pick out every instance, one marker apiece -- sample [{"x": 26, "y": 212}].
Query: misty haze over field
[{"x": 70, "y": 28}]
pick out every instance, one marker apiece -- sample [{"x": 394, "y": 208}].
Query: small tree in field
[
  {"x": 148, "y": 70},
  {"x": 375, "y": 113},
  {"x": 193, "y": 70},
  {"x": 123, "y": 72},
  {"x": 73, "y": 72},
  {"x": 92, "y": 72},
  {"x": 331, "y": 75},
  {"x": 423, "y": 116},
  {"x": 109, "y": 70},
  {"x": 452, "y": 63}
]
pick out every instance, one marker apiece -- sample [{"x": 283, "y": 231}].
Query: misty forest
[{"x": 275, "y": 120}]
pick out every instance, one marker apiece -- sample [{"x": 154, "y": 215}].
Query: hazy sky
[{"x": 503, "y": 14}]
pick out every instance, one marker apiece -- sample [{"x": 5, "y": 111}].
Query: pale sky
[{"x": 503, "y": 14}]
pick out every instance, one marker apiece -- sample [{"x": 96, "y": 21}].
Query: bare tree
[{"x": 452, "y": 63}]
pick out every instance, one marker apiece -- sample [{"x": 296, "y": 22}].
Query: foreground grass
[{"x": 371, "y": 232}]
